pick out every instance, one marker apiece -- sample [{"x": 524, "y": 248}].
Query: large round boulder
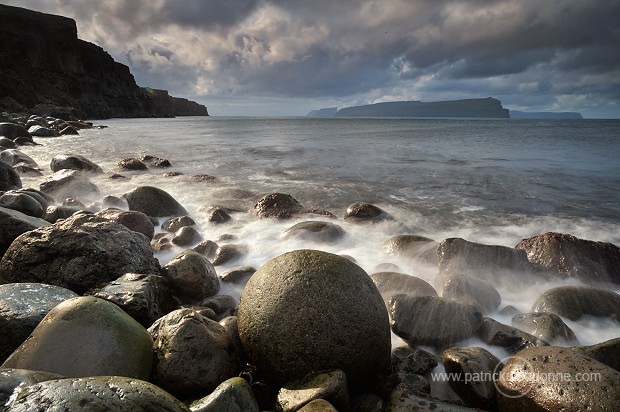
[
  {"x": 153, "y": 201},
  {"x": 13, "y": 224},
  {"x": 308, "y": 310},
  {"x": 11, "y": 379},
  {"x": 73, "y": 161},
  {"x": 192, "y": 276},
  {"x": 13, "y": 131},
  {"x": 278, "y": 205},
  {"x": 315, "y": 231},
  {"x": 69, "y": 183},
  {"x": 86, "y": 336},
  {"x": 365, "y": 212},
  {"x": 9, "y": 179},
  {"x": 15, "y": 157},
  {"x": 132, "y": 219},
  {"x": 412, "y": 247},
  {"x": 22, "y": 202},
  {"x": 573, "y": 302},
  {"x": 394, "y": 283},
  {"x": 78, "y": 253}
]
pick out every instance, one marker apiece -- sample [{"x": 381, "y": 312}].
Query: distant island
[
  {"x": 325, "y": 112},
  {"x": 516, "y": 114}
]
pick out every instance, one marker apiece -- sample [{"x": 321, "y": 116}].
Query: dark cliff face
[{"x": 45, "y": 67}]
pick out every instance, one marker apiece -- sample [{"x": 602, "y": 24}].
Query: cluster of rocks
[{"x": 93, "y": 321}]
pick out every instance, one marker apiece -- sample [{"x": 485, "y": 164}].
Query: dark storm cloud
[{"x": 206, "y": 13}]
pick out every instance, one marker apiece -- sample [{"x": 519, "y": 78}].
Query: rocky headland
[{"x": 46, "y": 69}]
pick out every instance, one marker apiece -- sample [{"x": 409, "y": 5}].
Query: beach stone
[
  {"x": 13, "y": 224},
  {"x": 55, "y": 213},
  {"x": 229, "y": 323},
  {"x": 153, "y": 201},
  {"x": 24, "y": 141},
  {"x": 314, "y": 231},
  {"x": 607, "y": 352},
  {"x": 69, "y": 183},
  {"x": 574, "y": 302},
  {"x": 495, "y": 333},
  {"x": 566, "y": 256},
  {"x": 78, "y": 253},
  {"x": 21, "y": 202},
  {"x": 308, "y": 310},
  {"x": 278, "y": 205},
  {"x": 176, "y": 223},
  {"x": 467, "y": 289},
  {"x": 43, "y": 199},
  {"x": 7, "y": 143},
  {"x": 394, "y": 283},
  {"x": 191, "y": 276},
  {"x": 75, "y": 162},
  {"x": 228, "y": 253},
  {"x": 131, "y": 164},
  {"x": 546, "y": 326},
  {"x": 222, "y": 305},
  {"x": 416, "y": 361},
  {"x": 218, "y": 215},
  {"x": 318, "y": 405},
  {"x": 22, "y": 307},
  {"x": 431, "y": 320},
  {"x": 203, "y": 178},
  {"x": 72, "y": 202},
  {"x": 412, "y": 247},
  {"x": 186, "y": 236},
  {"x": 154, "y": 161},
  {"x": 404, "y": 400},
  {"x": 41, "y": 131},
  {"x": 232, "y": 395},
  {"x": 365, "y": 212},
  {"x": 206, "y": 248},
  {"x": 497, "y": 264},
  {"x": 86, "y": 336},
  {"x": 329, "y": 385},
  {"x": 69, "y": 131},
  {"x": 14, "y": 157},
  {"x": 131, "y": 219},
  {"x": 367, "y": 402},
  {"x": 567, "y": 394},
  {"x": 9, "y": 179},
  {"x": 480, "y": 366},
  {"x": 194, "y": 354},
  {"x": 114, "y": 202},
  {"x": 410, "y": 382},
  {"x": 99, "y": 393},
  {"x": 11, "y": 379},
  {"x": 509, "y": 310},
  {"x": 13, "y": 130},
  {"x": 238, "y": 274},
  {"x": 145, "y": 298}
]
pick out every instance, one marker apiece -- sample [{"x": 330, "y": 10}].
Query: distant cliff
[
  {"x": 515, "y": 114},
  {"x": 46, "y": 69},
  {"x": 324, "y": 112},
  {"x": 472, "y": 108}
]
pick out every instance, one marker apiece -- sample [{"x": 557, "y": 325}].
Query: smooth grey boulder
[
  {"x": 78, "y": 253},
  {"x": 495, "y": 333},
  {"x": 132, "y": 219},
  {"x": 99, "y": 393},
  {"x": 176, "y": 223},
  {"x": 145, "y": 298},
  {"x": 315, "y": 231},
  {"x": 394, "y": 283},
  {"x": 228, "y": 253},
  {"x": 186, "y": 236},
  {"x": 41, "y": 131},
  {"x": 86, "y": 336},
  {"x": 566, "y": 256},
  {"x": 327, "y": 385},
  {"x": 238, "y": 275},
  {"x": 14, "y": 157},
  {"x": 232, "y": 395},
  {"x": 607, "y": 352},
  {"x": 131, "y": 164},
  {"x": 22, "y": 203},
  {"x": 22, "y": 307},
  {"x": 431, "y": 320},
  {"x": 546, "y": 326},
  {"x": 585, "y": 383},
  {"x": 475, "y": 368},
  {"x": 222, "y": 306},
  {"x": 12, "y": 131},
  {"x": 574, "y": 302},
  {"x": 365, "y": 212},
  {"x": 467, "y": 289},
  {"x": 278, "y": 205},
  {"x": 417, "y": 361},
  {"x": 193, "y": 354},
  {"x": 309, "y": 310},
  {"x": 13, "y": 224},
  {"x": 69, "y": 183},
  {"x": 192, "y": 276},
  {"x": 412, "y": 247},
  {"x": 9, "y": 179},
  {"x": 54, "y": 213},
  {"x": 218, "y": 216},
  {"x": 153, "y": 201},
  {"x": 75, "y": 162},
  {"x": 11, "y": 379},
  {"x": 7, "y": 143}
]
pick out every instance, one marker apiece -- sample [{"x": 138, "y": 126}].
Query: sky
[{"x": 287, "y": 57}]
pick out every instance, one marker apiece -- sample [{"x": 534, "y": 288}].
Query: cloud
[{"x": 521, "y": 51}]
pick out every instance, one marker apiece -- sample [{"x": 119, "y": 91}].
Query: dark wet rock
[
  {"x": 154, "y": 161},
  {"x": 100, "y": 393},
  {"x": 567, "y": 394},
  {"x": 566, "y": 256},
  {"x": 546, "y": 326},
  {"x": 13, "y": 224},
  {"x": 186, "y": 236},
  {"x": 207, "y": 249},
  {"x": 386, "y": 267},
  {"x": 21, "y": 202},
  {"x": 512, "y": 339},
  {"x": 315, "y": 231},
  {"x": 113, "y": 201},
  {"x": 278, "y": 205},
  {"x": 176, "y": 223},
  {"x": 238, "y": 274},
  {"x": 131, "y": 164},
  {"x": 54, "y": 213},
  {"x": 132, "y": 219},
  {"x": 194, "y": 354},
  {"x": 318, "y": 405},
  {"x": 607, "y": 352},
  {"x": 22, "y": 307},
  {"x": 412, "y": 247},
  {"x": 69, "y": 131},
  {"x": 365, "y": 212},
  {"x": 24, "y": 141},
  {"x": 228, "y": 253},
  {"x": 394, "y": 283},
  {"x": 153, "y": 201},
  {"x": 44, "y": 199},
  {"x": 75, "y": 162},
  {"x": 367, "y": 402},
  {"x": 23, "y": 170},
  {"x": 11, "y": 379},
  {"x": 230, "y": 324},
  {"x": 467, "y": 289},
  {"x": 41, "y": 131},
  {"x": 86, "y": 336},
  {"x": 7, "y": 143},
  {"x": 431, "y": 320},
  {"x": 72, "y": 202},
  {"x": 69, "y": 183},
  {"x": 117, "y": 176},
  {"x": 222, "y": 306},
  {"x": 218, "y": 215},
  {"x": 509, "y": 310},
  {"x": 232, "y": 395},
  {"x": 9, "y": 179},
  {"x": 469, "y": 363},
  {"x": 172, "y": 174},
  {"x": 404, "y": 400},
  {"x": 497, "y": 264},
  {"x": 225, "y": 237},
  {"x": 191, "y": 276},
  {"x": 14, "y": 157},
  {"x": 410, "y": 382},
  {"x": 203, "y": 178},
  {"x": 417, "y": 361},
  {"x": 327, "y": 385},
  {"x": 78, "y": 253},
  {"x": 574, "y": 302},
  {"x": 13, "y": 130},
  {"x": 316, "y": 304},
  {"x": 145, "y": 298}
]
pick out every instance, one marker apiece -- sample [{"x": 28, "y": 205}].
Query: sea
[{"x": 488, "y": 181}]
